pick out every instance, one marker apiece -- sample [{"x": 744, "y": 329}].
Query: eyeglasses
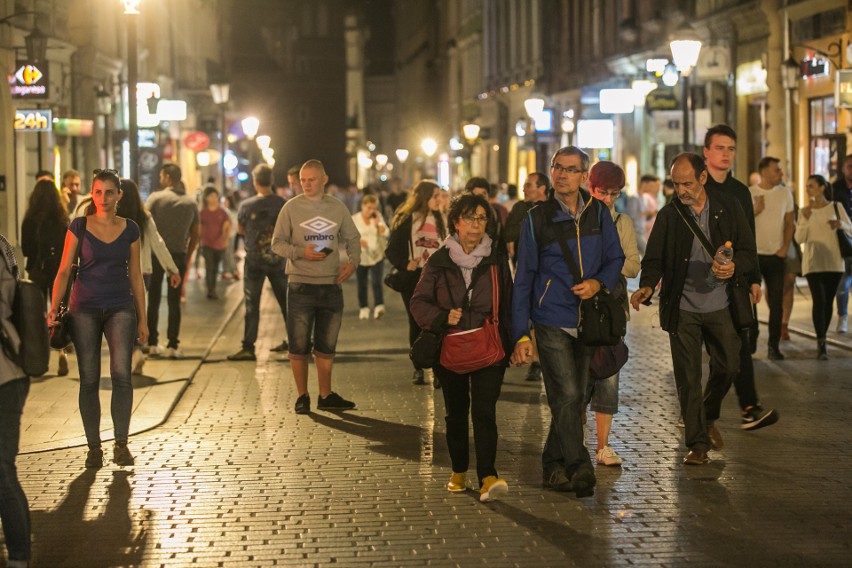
[
  {"x": 475, "y": 219},
  {"x": 602, "y": 193},
  {"x": 107, "y": 172},
  {"x": 570, "y": 170}
]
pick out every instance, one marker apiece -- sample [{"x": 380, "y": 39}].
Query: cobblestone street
[{"x": 234, "y": 477}]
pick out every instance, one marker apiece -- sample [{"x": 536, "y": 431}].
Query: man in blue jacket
[{"x": 546, "y": 294}]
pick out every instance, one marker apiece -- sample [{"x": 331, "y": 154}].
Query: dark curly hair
[
  {"x": 463, "y": 204},
  {"x": 130, "y": 205}
]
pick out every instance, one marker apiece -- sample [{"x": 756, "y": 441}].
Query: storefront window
[{"x": 827, "y": 147}]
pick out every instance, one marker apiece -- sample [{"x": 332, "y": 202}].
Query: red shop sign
[{"x": 196, "y": 141}]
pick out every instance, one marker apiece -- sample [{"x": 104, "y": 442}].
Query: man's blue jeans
[
  {"x": 565, "y": 366},
  {"x": 88, "y": 327},
  {"x": 315, "y": 314},
  {"x": 14, "y": 510},
  {"x": 255, "y": 274}
]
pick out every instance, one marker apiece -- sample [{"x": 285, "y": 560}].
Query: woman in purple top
[{"x": 107, "y": 299}]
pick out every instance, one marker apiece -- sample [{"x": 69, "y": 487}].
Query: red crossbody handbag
[{"x": 463, "y": 352}]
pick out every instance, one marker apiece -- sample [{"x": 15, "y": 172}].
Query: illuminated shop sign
[
  {"x": 73, "y": 127},
  {"x": 29, "y": 82},
  {"x": 814, "y": 66},
  {"x": 35, "y": 120},
  {"x": 843, "y": 88}
]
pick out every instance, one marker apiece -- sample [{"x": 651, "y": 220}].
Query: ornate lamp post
[
  {"x": 685, "y": 50},
  {"x": 221, "y": 95},
  {"x": 470, "y": 131},
  {"x": 131, "y": 10}
]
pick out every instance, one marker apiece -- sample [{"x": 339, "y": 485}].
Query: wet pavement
[{"x": 234, "y": 478}]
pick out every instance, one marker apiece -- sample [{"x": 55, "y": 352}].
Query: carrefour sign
[{"x": 29, "y": 81}]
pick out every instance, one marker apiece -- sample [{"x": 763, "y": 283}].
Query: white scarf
[{"x": 467, "y": 262}]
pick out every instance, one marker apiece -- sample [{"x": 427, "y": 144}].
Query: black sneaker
[
  {"x": 121, "y": 455},
  {"x": 281, "y": 348},
  {"x": 755, "y": 417},
  {"x": 334, "y": 402},
  {"x": 303, "y": 404},
  {"x": 556, "y": 480},
  {"x": 583, "y": 481},
  {"x": 775, "y": 354},
  {"x": 95, "y": 458},
  {"x": 534, "y": 373},
  {"x": 243, "y": 355}
]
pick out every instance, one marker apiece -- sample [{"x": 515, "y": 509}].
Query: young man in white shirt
[{"x": 773, "y": 218}]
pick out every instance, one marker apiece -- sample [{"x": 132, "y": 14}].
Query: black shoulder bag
[
  {"x": 843, "y": 240},
  {"x": 60, "y": 332},
  {"x": 739, "y": 302},
  {"x": 403, "y": 280},
  {"x": 602, "y": 320}
]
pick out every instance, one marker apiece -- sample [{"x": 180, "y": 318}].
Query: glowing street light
[
  {"x": 381, "y": 160},
  {"x": 685, "y": 50},
  {"x": 402, "y": 155},
  {"x": 131, "y": 6},
  {"x": 203, "y": 159},
  {"x": 429, "y": 146},
  {"x": 534, "y": 106},
  {"x": 250, "y": 127},
  {"x": 471, "y": 132},
  {"x": 263, "y": 142}
]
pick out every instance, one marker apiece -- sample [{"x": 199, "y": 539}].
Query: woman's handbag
[
  {"x": 426, "y": 350},
  {"x": 843, "y": 239},
  {"x": 403, "y": 280},
  {"x": 463, "y": 352},
  {"x": 60, "y": 331},
  {"x": 608, "y": 360}
]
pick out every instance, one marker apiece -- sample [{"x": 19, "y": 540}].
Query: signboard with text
[
  {"x": 35, "y": 120},
  {"x": 843, "y": 85},
  {"x": 29, "y": 81}
]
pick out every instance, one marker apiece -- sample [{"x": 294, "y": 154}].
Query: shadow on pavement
[
  {"x": 65, "y": 537},
  {"x": 396, "y": 440}
]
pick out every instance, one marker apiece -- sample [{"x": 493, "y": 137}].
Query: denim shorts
[
  {"x": 313, "y": 310},
  {"x": 603, "y": 394}
]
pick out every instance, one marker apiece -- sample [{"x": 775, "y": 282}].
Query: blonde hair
[{"x": 314, "y": 164}]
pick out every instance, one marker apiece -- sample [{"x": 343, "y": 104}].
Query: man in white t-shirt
[{"x": 773, "y": 220}]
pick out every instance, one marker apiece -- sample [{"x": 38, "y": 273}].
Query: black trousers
[
  {"x": 155, "y": 293},
  {"x": 413, "y": 328},
  {"x": 473, "y": 395},
  {"x": 700, "y": 408},
  {"x": 773, "y": 268},
  {"x": 823, "y": 287}
]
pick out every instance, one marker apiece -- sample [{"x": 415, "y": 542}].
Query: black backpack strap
[{"x": 576, "y": 273}]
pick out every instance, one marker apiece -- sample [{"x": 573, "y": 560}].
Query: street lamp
[
  {"x": 250, "y": 126},
  {"x": 470, "y": 131},
  {"x": 381, "y": 160},
  {"x": 534, "y": 107},
  {"x": 685, "y": 52},
  {"x": 221, "y": 93},
  {"x": 104, "y": 100},
  {"x": 402, "y": 156},
  {"x": 263, "y": 142},
  {"x": 131, "y": 9},
  {"x": 568, "y": 125}
]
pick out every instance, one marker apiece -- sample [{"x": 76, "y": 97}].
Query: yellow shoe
[
  {"x": 492, "y": 488},
  {"x": 457, "y": 483}
]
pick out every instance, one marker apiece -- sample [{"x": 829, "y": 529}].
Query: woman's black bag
[
  {"x": 426, "y": 350},
  {"x": 403, "y": 280},
  {"x": 608, "y": 360},
  {"x": 843, "y": 239},
  {"x": 60, "y": 331}
]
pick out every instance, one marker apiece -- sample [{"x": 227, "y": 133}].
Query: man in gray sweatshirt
[{"x": 309, "y": 232}]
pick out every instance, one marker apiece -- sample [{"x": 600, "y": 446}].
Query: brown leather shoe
[
  {"x": 694, "y": 457},
  {"x": 716, "y": 441}
]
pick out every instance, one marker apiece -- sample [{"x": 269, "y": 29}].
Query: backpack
[{"x": 29, "y": 316}]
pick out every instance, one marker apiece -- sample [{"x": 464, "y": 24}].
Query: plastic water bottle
[{"x": 724, "y": 255}]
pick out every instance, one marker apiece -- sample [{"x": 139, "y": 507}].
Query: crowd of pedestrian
[{"x": 515, "y": 282}]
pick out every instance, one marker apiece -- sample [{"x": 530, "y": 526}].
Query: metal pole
[
  {"x": 132, "y": 79},
  {"x": 685, "y": 100},
  {"x": 222, "y": 157}
]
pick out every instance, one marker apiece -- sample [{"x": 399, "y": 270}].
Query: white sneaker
[
  {"x": 841, "y": 324},
  {"x": 173, "y": 353},
  {"x": 607, "y": 456},
  {"x": 137, "y": 361},
  {"x": 379, "y": 311},
  {"x": 155, "y": 350},
  {"x": 364, "y": 314}
]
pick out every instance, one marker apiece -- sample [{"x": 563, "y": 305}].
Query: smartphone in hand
[{"x": 326, "y": 250}]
